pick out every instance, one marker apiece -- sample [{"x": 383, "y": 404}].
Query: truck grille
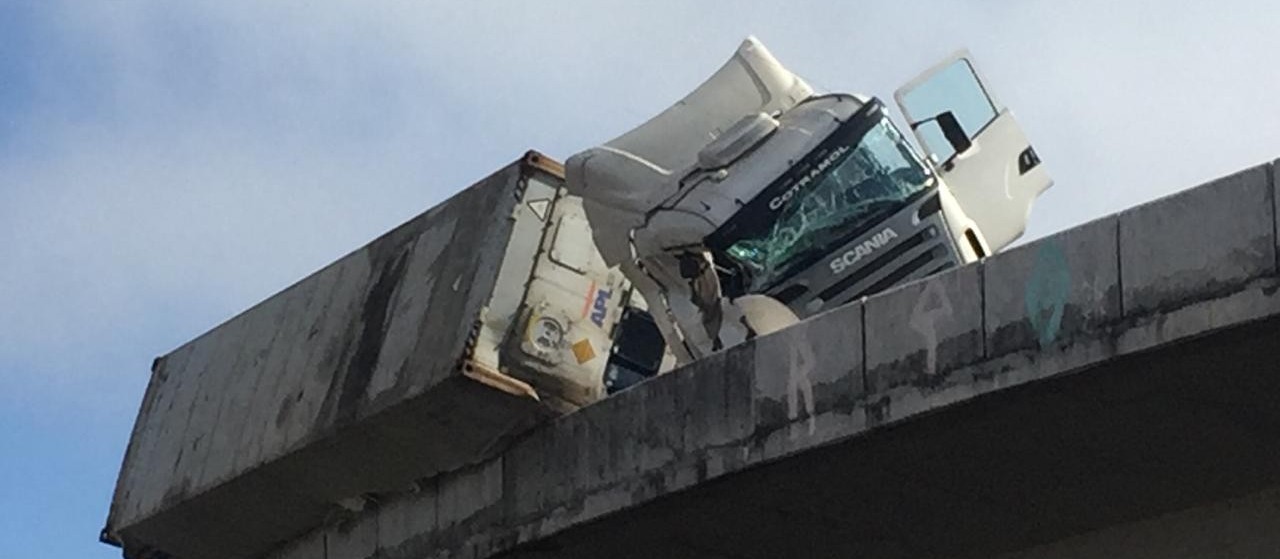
[
  {"x": 879, "y": 262},
  {"x": 907, "y": 269},
  {"x": 923, "y": 254}
]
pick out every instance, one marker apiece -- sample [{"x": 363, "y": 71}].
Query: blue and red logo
[{"x": 601, "y": 306}]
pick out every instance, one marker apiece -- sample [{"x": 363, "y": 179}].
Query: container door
[
  {"x": 978, "y": 148},
  {"x": 572, "y": 302}
]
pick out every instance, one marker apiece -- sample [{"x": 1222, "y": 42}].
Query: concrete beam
[
  {"x": 1199, "y": 242},
  {"x": 1053, "y": 292},
  {"x": 924, "y": 329}
]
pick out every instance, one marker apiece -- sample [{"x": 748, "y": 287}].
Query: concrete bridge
[{"x": 1108, "y": 391}]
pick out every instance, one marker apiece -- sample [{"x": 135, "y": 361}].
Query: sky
[{"x": 165, "y": 165}]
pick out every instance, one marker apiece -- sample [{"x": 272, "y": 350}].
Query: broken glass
[{"x": 870, "y": 183}]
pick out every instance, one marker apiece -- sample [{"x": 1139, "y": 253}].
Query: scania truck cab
[
  {"x": 754, "y": 185},
  {"x": 860, "y": 212}
]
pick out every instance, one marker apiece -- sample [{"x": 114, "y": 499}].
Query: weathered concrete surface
[
  {"x": 1058, "y": 291},
  {"x": 1054, "y": 391},
  {"x": 344, "y": 384},
  {"x": 924, "y": 329},
  {"x": 1204, "y": 240}
]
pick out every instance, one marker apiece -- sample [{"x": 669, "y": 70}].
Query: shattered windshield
[{"x": 847, "y": 188}]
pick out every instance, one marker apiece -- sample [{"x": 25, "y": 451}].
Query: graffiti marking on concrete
[
  {"x": 800, "y": 368},
  {"x": 1046, "y": 293},
  {"x": 932, "y": 306}
]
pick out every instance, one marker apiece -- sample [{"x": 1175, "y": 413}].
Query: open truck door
[{"x": 977, "y": 146}]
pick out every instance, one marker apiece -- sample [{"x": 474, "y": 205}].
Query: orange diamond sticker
[{"x": 582, "y": 351}]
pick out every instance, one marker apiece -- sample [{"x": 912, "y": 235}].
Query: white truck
[{"x": 755, "y": 185}]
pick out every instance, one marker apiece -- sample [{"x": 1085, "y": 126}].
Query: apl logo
[{"x": 601, "y": 307}]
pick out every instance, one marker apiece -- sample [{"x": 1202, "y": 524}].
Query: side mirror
[{"x": 952, "y": 131}]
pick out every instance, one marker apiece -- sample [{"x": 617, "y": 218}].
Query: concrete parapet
[
  {"x": 1199, "y": 242},
  {"x": 1050, "y": 292},
  {"x": 922, "y": 330}
]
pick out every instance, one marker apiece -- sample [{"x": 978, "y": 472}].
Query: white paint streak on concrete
[
  {"x": 932, "y": 305},
  {"x": 799, "y": 380}
]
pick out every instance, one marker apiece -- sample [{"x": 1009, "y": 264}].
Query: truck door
[{"x": 978, "y": 148}]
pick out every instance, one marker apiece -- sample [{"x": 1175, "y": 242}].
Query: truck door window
[{"x": 955, "y": 88}]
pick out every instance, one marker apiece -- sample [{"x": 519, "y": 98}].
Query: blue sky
[{"x": 165, "y": 165}]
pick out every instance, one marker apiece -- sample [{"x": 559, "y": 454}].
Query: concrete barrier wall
[{"x": 1176, "y": 268}]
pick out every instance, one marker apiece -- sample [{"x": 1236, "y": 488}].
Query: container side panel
[
  {"x": 340, "y": 365},
  {"x": 262, "y": 408}
]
